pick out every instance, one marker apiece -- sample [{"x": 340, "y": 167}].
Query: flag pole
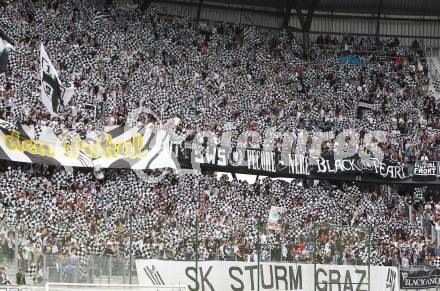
[{"x": 161, "y": 115}]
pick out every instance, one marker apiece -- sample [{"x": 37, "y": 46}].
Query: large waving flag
[
  {"x": 5, "y": 48},
  {"x": 53, "y": 94}
]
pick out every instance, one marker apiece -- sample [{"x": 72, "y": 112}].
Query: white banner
[
  {"x": 244, "y": 276},
  {"x": 275, "y": 220},
  {"x": 115, "y": 147}
]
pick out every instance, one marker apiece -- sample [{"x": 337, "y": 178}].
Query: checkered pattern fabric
[
  {"x": 88, "y": 219},
  {"x": 436, "y": 86},
  {"x": 221, "y": 78},
  {"x": 235, "y": 76}
]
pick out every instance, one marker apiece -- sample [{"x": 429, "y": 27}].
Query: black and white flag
[
  {"x": 53, "y": 94},
  {"x": 5, "y": 48}
]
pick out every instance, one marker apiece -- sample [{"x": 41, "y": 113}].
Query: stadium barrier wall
[
  {"x": 238, "y": 274},
  {"x": 243, "y": 276}
]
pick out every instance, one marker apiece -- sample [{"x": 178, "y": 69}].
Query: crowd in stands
[
  {"x": 425, "y": 200},
  {"x": 214, "y": 76},
  {"x": 218, "y": 77},
  {"x": 72, "y": 213}
]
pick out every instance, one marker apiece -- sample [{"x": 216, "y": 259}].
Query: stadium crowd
[
  {"x": 218, "y": 77},
  {"x": 213, "y": 76},
  {"x": 58, "y": 212}
]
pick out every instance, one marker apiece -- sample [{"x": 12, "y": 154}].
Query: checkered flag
[
  {"x": 436, "y": 262},
  {"x": 436, "y": 86},
  {"x": 31, "y": 270}
]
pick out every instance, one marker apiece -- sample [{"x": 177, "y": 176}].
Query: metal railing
[
  {"x": 87, "y": 269},
  {"x": 110, "y": 269}
]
